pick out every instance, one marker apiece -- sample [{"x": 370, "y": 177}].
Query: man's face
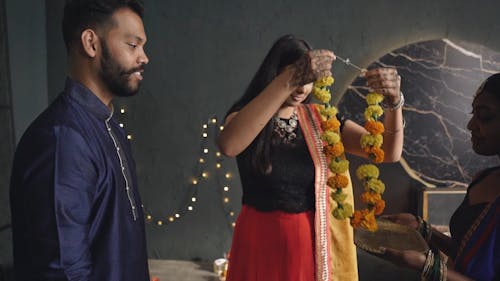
[{"x": 123, "y": 57}]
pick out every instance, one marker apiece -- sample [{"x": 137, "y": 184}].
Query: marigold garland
[{"x": 334, "y": 150}]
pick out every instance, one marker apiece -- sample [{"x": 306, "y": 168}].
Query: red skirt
[{"x": 272, "y": 246}]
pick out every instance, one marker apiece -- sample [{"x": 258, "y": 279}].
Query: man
[{"x": 76, "y": 211}]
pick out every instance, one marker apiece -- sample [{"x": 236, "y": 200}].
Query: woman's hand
[
  {"x": 407, "y": 258},
  {"x": 385, "y": 81},
  {"x": 312, "y": 66},
  {"x": 404, "y": 219}
]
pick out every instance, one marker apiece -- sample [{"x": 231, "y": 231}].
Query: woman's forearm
[{"x": 242, "y": 128}]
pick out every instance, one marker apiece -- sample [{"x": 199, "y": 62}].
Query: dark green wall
[{"x": 203, "y": 54}]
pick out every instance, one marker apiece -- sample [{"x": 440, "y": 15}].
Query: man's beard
[{"x": 114, "y": 76}]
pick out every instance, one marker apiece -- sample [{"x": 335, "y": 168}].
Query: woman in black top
[{"x": 282, "y": 230}]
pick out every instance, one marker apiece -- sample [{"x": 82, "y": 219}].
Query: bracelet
[
  {"x": 394, "y": 107},
  {"x": 424, "y": 228},
  {"x": 434, "y": 268},
  {"x": 396, "y": 130}
]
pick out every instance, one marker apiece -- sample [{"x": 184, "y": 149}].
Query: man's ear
[{"x": 90, "y": 42}]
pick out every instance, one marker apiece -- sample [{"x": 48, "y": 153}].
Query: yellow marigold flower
[
  {"x": 379, "y": 207},
  {"x": 339, "y": 197},
  {"x": 373, "y": 112},
  {"x": 331, "y": 124},
  {"x": 371, "y": 140},
  {"x": 370, "y": 197},
  {"x": 374, "y": 98},
  {"x": 335, "y": 150},
  {"x": 375, "y": 153},
  {"x": 375, "y": 185},
  {"x": 339, "y": 167},
  {"x": 321, "y": 94},
  {"x": 329, "y": 112},
  {"x": 374, "y": 127},
  {"x": 343, "y": 211},
  {"x": 324, "y": 82},
  {"x": 367, "y": 171},
  {"x": 338, "y": 181},
  {"x": 330, "y": 137}
]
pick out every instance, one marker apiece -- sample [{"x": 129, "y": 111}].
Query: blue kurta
[{"x": 76, "y": 210}]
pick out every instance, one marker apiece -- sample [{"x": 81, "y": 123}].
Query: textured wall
[
  {"x": 203, "y": 54},
  {"x": 6, "y": 145}
]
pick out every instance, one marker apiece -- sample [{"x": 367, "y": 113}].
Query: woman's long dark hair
[{"x": 285, "y": 51}]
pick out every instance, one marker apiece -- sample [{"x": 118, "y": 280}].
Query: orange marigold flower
[
  {"x": 375, "y": 153},
  {"x": 379, "y": 207},
  {"x": 335, "y": 150},
  {"x": 357, "y": 218},
  {"x": 370, "y": 197},
  {"x": 338, "y": 181},
  {"x": 374, "y": 127},
  {"x": 331, "y": 124},
  {"x": 369, "y": 222}
]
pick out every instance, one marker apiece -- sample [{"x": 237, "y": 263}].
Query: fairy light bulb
[
  {"x": 233, "y": 224},
  {"x": 231, "y": 214},
  {"x": 217, "y": 154},
  {"x": 205, "y": 135},
  {"x": 226, "y": 188},
  {"x": 129, "y": 137},
  {"x": 171, "y": 219},
  {"x": 205, "y": 126},
  {"x": 195, "y": 182},
  {"x": 221, "y": 128},
  {"x": 177, "y": 215},
  {"x": 122, "y": 110},
  {"x": 190, "y": 208},
  {"x": 121, "y": 125},
  {"x": 228, "y": 175},
  {"x": 214, "y": 120},
  {"x": 193, "y": 199},
  {"x": 159, "y": 223},
  {"x": 149, "y": 217},
  {"x": 202, "y": 160},
  {"x": 205, "y": 150},
  {"x": 226, "y": 200},
  {"x": 218, "y": 165}
]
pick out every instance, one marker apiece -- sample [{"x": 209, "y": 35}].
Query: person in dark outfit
[
  {"x": 76, "y": 209},
  {"x": 473, "y": 249}
]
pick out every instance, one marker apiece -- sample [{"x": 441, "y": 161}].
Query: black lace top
[
  {"x": 465, "y": 215},
  {"x": 290, "y": 185}
]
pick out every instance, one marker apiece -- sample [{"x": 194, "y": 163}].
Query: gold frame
[{"x": 437, "y": 190}]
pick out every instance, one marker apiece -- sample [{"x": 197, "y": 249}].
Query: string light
[{"x": 195, "y": 181}]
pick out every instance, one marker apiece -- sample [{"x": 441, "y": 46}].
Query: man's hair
[{"x": 82, "y": 14}]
